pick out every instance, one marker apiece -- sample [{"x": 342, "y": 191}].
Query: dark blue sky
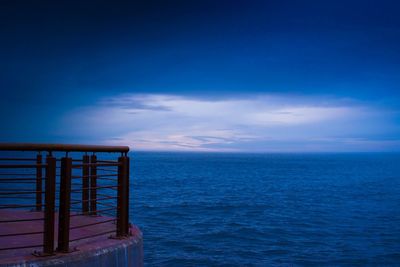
[{"x": 60, "y": 56}]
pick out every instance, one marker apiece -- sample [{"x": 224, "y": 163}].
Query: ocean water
[{"x": 216, "y": 209}]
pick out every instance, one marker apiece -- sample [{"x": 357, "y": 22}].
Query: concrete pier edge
[{"x": 126, "y": 253}]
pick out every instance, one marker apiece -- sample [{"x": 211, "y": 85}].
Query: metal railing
[{"x": 50, "y": 180}]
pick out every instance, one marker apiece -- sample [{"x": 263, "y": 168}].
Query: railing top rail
[{"x": 61, "y": 147}]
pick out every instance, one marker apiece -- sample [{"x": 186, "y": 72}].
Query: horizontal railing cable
[
  {"x": 40, "y": 182},
  {"x": 91, "y": 224}
]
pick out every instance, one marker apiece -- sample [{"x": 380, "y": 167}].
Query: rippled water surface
[{"x": 200, "y": 209}]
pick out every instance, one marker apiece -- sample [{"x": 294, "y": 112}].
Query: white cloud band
[{"x": 251, "y": 123}]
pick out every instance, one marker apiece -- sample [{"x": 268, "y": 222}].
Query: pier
[{"x": 66, "y": 205}]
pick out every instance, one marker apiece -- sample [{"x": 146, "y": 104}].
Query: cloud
[{"x": 250, "y": 123}]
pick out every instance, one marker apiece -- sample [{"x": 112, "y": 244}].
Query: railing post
[
  {"x": 65, "y": 201},
  {"x": 39, "y": 182},
  {"x": 85, "y": 184},
  {"x": 123, "y": 197},
  {"x": 93, "y": 185},
  {"x": 50, "y": 184}
]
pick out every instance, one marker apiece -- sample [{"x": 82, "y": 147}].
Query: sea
[{"x": 227, "y": 209}]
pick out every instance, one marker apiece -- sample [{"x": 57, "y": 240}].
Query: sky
[{"x": 217, "y": 76}]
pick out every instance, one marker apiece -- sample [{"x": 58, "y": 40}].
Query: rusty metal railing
[{"x": 46, "y": 181}]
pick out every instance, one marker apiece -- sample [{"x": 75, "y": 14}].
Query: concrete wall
[{"x": 124, "y": 253}]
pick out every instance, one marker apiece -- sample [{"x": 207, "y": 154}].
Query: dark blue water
[{"x": 273, "y": 209}]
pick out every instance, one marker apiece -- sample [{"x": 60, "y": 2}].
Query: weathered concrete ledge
[
  {"x": 114, "y": 253},
  {"x": 98, "y": 251}
]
